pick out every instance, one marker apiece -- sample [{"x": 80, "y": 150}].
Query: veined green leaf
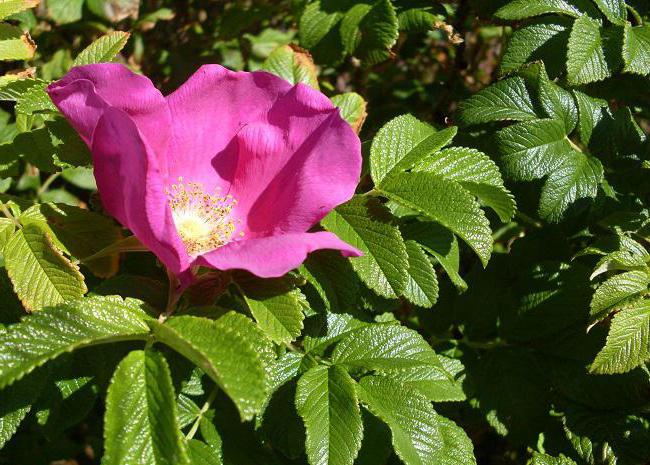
[
  {"x": 617, "y": 290},
  {"x": 577, "y": 177},
  {"x": 292, "y": 64},
  {"x": 532, "y": 149},
  {"x": 545, "y": 39},
  {"x": 202, "y": 454},
  {"x": 614, "y": 10},
  {"x": 442, "y": 244},
  {"x": 327, "y": 402},
  {"x": 586, "y": 57},
  {"x": 476, "y": 172},
  {"x": 507, "y": 100},
  {"x": 401, "y": 143},
  {"x": 445, "y": 201},
  {"x": 16, "y": 402},
  {"x": 104, "y": 49},
  {"x": 41, "y": 275},
  {"x": 420, "y": 435},
  {"x": 231, "y": 350},
  {"x": 363, "y": 223},
  {"x": 336, "y": 326},
  {"x": 279, "y": 315},
  {"x": 590, "y": 113},
  {"x": 422, "y": 282},
  {"x": 438, "y": 384},
  {"x": 352, "y": 107},
  {"x": 636, "y": 50},
  {"x": 384, "y": 347},
  {"x": 522, "y": 9},
  {"x": 628, "y": 341},
  {"x": 140, "y": 426},
  {"x": 369, "y": 31},
  {"x": 53, "y": 331}
]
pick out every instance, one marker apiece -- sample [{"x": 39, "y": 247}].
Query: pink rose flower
[{"x": 230, "y": 171}]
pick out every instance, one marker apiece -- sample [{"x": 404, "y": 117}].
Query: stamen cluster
[{"x": 202, "y": 220}]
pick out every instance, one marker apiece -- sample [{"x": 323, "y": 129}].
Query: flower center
[{"x": 203, "y": 221}]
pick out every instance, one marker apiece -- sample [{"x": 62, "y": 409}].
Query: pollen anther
[{"x": 203, "y": 221}]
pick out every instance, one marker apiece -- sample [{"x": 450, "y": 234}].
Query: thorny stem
[
  {"x": 8, "y": 214},
  {"x": 204, "y": 409}
]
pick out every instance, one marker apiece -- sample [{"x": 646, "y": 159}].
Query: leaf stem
[
  {"x": 48, "y": 182},
  {"x": 204, "y": 409},
  {"x": 8, "y": 214}
]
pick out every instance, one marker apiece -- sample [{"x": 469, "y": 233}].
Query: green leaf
[
  {"x": 202, "y": 454},
  {"x": 231, "y": 350},
  {"x": 614, "y": 10},
  {"x": 442, "y": 244},
  {"x": 616, "y": 290},
  {"x": 53, "y": 331},
  {"x": 590, "y": 113},
  {"x": 15, "y": 44},
  {"x": 316, "y": 22},
  {"x": 545, "y": 459},
  {"x": 292, "y": 64},
  {"x": 522, "y": 9},
  {"x": 40, "y": 274},
  {"x": 13, "y": 87},
  {"x": 577, "y": 177},
  {"x": 35, "y": 100},
  {"x": 636, "y": 50},
  {"x": 477, "y": 173},
  {"x": 384, "y": 346},
  {"x": 352, "y": 108},
  {"x": 532, "y": 149},
  {"x": 140, "y": 425},
  {"x": 333, "y": 328},
  {"x": 401, "y": 143},
  {"x": 65, "y": 11},
  {"x": 422, "y": 281},
  {"x": 545, "y": 39},
  {"x": 586, "y": 57},
  {"x": 557, "y": 102},
  {"x": 419, "y": 16},
  {"x": 628, "y": 341},
  {"x": 364, "y": 224},
  {"x": 11, "y": 7},
  {"x": 279, "y": 315},
  {"x": 104, "y": 49},
  {"x": 420, "y": 435},
  {"x": 327, "y": 402},
  {"x": 16, "y": 402},
  {"x": 507, "y": 100},
  {"x": 78, "y": 232},
  {"x": 437, "y": 384},
  {"x": 369, "y": 31},
  {"x": 444, "y": 201},
  {"x": 333, "y": 278}
]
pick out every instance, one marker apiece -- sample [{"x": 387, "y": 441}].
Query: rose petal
[
  {"x": 274, "y": 256},
  {"x": 132, "y": 188}
]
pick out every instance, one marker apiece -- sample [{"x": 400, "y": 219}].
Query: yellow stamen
[{"x": 203, "y": 221}]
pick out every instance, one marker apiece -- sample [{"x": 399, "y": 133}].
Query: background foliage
[{"x": 498, "y": 316}]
